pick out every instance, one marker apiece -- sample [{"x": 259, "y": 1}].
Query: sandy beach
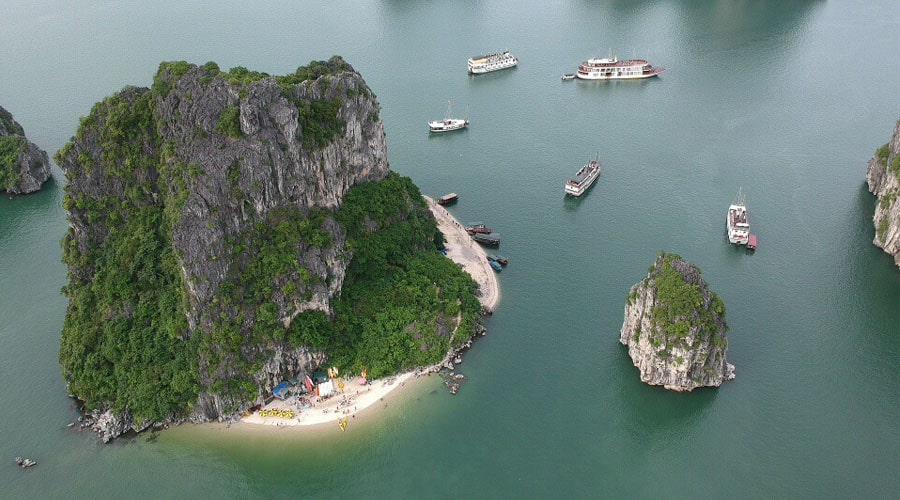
[
  {"x": 346, "y": 402},
  {"x": 354, "y": 396}
]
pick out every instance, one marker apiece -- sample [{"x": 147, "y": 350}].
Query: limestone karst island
[
  {"x": 675, "y": 328},
  {"x": 233, "y": 230},
  {"x": 23, "y": 166}
]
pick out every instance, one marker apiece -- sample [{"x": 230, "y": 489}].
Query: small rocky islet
[
  {"x": 24, "y": 167},
  {"x": 675, "y": 328},
  {"x": 883, "y": 178}
]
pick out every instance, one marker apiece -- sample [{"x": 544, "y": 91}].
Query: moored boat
[
  {"x": 447, "y": 199},
  {"x": 576, "y": 186},
  {"x": 492, "y": 62},
  {"x": 495, "y": 265},
  {"x": 737, "y": 223},
  {"x": 448, "y": 124},
  {"x": 479, "y": 230},
  {"x": 496, "y": 257},
  {"x": 487, "y": 239},
  {"x": 611, "y": 68}
]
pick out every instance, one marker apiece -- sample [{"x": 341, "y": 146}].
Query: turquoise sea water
[{"x": 787, "y": 100}]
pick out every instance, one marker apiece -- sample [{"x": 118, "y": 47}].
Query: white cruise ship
[
  {"x": 576, "y": 186},
  {"x": 737, "y": 223},
  {"x": 611, "y": 68},
  {"x": 492, "y": 62}
]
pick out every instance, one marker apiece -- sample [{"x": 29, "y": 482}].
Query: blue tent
[{"x": 281, "y": 391}]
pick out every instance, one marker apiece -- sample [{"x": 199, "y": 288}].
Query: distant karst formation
[
  {"x": 675, "y": 328},
  {"x": 883, "y": 177},
  {"x": 24, "y": 167}
]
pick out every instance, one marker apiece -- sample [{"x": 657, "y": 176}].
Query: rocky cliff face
[
  {"x": 228, "y": 159},
  {"x": 883, "y": 177},
  {"x": 675, "y": 328},
  {"x": 24, "y": 167}
]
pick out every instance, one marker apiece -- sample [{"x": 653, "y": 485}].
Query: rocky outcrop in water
[
  {"x": 24, "y": 167},
  {"x": 883, "y": 178},
  {"x": 675, "y": 328}
]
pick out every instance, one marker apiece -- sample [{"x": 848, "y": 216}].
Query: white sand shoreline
[{"x": 355, "y": 397}]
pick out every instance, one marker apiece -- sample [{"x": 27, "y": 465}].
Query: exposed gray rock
[
  {"x": 675, "y": 328},
  {"x": 25, "y": 171},
  {"x": 109, "y": 425},
  {"x": 883, "y": 178}
]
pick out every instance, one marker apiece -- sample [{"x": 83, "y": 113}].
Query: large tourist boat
[
  {"x": 576, "y": 186},
  {"x": 448, "y": 123},
  {"x": 492, "y": 62},
  {"x": 737, "y": 223},
  {"x": 611, "y": 68},
  {"x": 448, "y": 199}
]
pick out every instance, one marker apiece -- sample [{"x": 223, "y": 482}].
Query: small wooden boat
[{"x": 479, "y": 230}]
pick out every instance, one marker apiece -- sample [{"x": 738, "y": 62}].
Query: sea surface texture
[{"x": 787, "y": 100}]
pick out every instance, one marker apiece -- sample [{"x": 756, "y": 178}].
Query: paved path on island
[{"x": 462, "y": 249}]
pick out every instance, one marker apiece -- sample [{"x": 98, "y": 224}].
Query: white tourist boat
[
  {"x": 576, "y": 186},
  {"x": 492, "y": 62},
  {"x": 448, "y": 123},
  {"x": 737, "y": 223},
  {"x": 611, "y": 68}
]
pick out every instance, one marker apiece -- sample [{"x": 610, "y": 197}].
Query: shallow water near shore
[{"x": 787, "y": 100}]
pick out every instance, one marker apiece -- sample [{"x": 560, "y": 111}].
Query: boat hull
[
  {"x": 489, "y": 240},
  {"x": 447, "y": 125},
  {"x": 480, "y": 70},
  {"x": 590, "y": 76}
]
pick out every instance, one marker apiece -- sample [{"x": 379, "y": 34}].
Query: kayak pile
[{"x": 277, "y": 413}]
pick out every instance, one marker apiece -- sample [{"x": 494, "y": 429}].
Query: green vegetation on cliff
[
  {"x": 679, "y": 309},
  {"x": 882, "y": 154},
  {"x": 123, "y": 337},
  {"x": 10, "y": 148}
]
